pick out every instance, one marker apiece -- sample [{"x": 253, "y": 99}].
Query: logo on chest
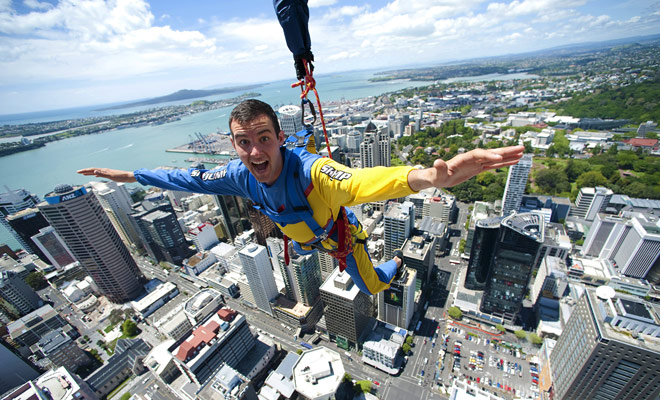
[{"x": 334, "y": 174}]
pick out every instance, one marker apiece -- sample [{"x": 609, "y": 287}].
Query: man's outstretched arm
[
  {"x": 116, "y": 175},
  {"x": 463, "y": 167}
]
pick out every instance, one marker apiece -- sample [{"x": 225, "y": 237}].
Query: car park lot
[{"x": 483, "y": 359}]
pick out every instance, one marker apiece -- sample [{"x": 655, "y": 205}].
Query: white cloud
[
  {"x": 36, "y": 5},
  {"x": 321, "y": 3}
]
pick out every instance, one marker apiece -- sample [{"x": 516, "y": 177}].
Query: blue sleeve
[
  {"x": 227, "y": 180},
  {"x": 294, "y": 16}
]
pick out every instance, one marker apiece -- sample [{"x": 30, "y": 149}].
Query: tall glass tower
[{"x": 515, "y": 185}]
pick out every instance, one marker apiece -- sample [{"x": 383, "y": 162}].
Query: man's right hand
[{"x": 116, "y": 175}]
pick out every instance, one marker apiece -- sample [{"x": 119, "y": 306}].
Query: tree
[
  {"x": 575, "y": 168},
  {"x": 534, "y": 338},
  {"x": 125, "y": 396},
  {"x": 129, "y": 328},
  {"x": 455, "y": 312},
  {"x": 409, "y": 340},
  {"x": 405, "y": 348},
  {"x": 363, "y": 386},
  {"x": 116, "y": 316},
  {"x": 299, "y": 351},
  {"x": 520, "y": 334},
  {"x": 591, "y": 179},
  {"x": 461, "y": 246},
  {"x": 36, "y": 280},
  {"x": 500, "y": 328},
  {"x": 348, "y": 377},
  {"x": 552, "y": 181}
]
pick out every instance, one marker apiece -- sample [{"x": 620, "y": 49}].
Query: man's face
[{"x": 258, "y": 147}]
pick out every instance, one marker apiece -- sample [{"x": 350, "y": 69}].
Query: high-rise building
[
  {"x": 369, "y": 156},
  {"x": 28, "y": 329},
  {"x": 399, "y": 224},
  {"x": 347, "y": 309},
  {"x": 259, "y": 272},
  {"x": 235, "y": 213},
  {"x": 484, "y": 241},
  {"x": 442, "y": 207},
  {"x": 19, "y": 298},
  {"x": 419, "y": 254},
  {"x": 384, "y": 148},
  {"x": 56, "y": 384},
  {"x": 515, "y": 185},
  {"x": 117, "y": 203},
  {"x": 318, "y": 373},
  {"x": 25, "y": 224},
  {"x": 607, "y": 350},
  {"x": 328, "y": 264},
  {"x": 167, "y": 236},
  {"x": 290, "y": 119},
  {"x": 396, "y": 305},
  {"x": 263, "y": 226},
  {"x": 13, "y": 201},
  {"x": 518, "y": 243},
  {"x": 77, "y": 216},
  {"x": 302, "y": 277},
  {"x": 13, "y": 370},
  {"x": 53, "y": 247},
  {"x": 590, "y": 202}
]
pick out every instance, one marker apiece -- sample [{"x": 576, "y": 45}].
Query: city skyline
[{"x": 76, "y": 53}]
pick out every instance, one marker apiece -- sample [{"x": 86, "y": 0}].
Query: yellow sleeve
[{"x": 343, "y": 186}]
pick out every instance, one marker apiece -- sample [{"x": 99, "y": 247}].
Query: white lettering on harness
[{"x": 335, "y": 174}]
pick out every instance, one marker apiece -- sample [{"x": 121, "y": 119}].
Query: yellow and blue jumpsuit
[{"x": 325, "y": 185}]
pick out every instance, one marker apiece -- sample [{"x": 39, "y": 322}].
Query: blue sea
[{"x": 40, "y": 170}]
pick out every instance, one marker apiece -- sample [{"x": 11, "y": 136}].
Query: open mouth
[{"x": 260, "y": 166}]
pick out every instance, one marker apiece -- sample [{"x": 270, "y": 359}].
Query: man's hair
[{"x": 249, "y": 110}]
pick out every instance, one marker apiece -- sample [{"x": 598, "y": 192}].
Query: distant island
[{"x": 184, "y": 94}]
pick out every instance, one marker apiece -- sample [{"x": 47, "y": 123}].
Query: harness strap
[{"x": 345, "y": 240}]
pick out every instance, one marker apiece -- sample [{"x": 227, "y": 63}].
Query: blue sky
[{"x": 58, "y": 54}]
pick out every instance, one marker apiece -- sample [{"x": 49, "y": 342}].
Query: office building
[
  {"x": 484, "y": 241},
  {"x": 227, "y": 384},
  {"x": 25, "y": 224},
  {"x": 263, "y": 226},
  {"x": 77, "y": 216},
  {"x": 151, "y": 203},
  {"x": 167, "y": 236},
  {"x": 605, "y": 350},
  {"x": 399, "y": 225},
  {"x": 117, "y": 204},
  {"x": 519, "y": 240},
  {"x": 235, "y": 215},
  {"x": 202, "y": 305},
  {"x": 28, "y": 329},
  {"x": 515, "y": 185},
  {"x": 419, "y": 254},
  {"x": 347, "y": 309},
  {"x": 328, "y": 264},
  {"x": 396, "y": 305},
  {"x": 62, "y": 351},
  {"x": 19, "y": 298},
  {"x": 442, "y": 207},
  {"x": 14, "y": 371},
  {"x": 318, "y": 373},
  {"x": 290, "y": 119},
  {"x": 13, "y": 201},
  {"x": 638, "y": 248},
  {"x": 369, "y": 156},
  {"x": 481, "y": 210},
  {"x": 259, "y": 273},
  {"x": 56, "y": 384},
  {"x": 204, "y": 236},
  {"x": 302, "y": 277},
  {"x": 384, "y": 148},
  {"x": 53, "y": 247},
  {"x": 590, "y": 202}
]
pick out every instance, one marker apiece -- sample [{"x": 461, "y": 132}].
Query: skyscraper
[
  {"x": 13, "y": 201},
  {"x": 25, "y": 224},
  {"x": 257, "y": 268},
  {"x": 118, "y": 205},
  {"x": 19, "y": 298},
  {"x": 515, "y": 185},
  {"x": 77, "y": 216},
  {"x": 302, "y": 277},
  {"x": 518, "y": 243},
  {"x": 399, "y": 224},
  {"x": 290, "y": 119},
  {"x": 347, "y": 309},
  {"x": 590, "y": 202},
  {"x": 396, "y": 305},
  {"x": 484, "y": 241},
  {"x": 369, "y": 151},
  {"x": 167, "y": 236},
  {"x": 384, "y": 148},
  {"x": 607, "y": 350}
]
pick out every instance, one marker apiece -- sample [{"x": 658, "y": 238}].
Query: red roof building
[
  {"x": 199, "y": 338},
  {"x": 227, "y": 314},
  {"x": 642, "y": 142}
]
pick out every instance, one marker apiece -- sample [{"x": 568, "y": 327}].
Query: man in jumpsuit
[{"x": 269, "y": 174}]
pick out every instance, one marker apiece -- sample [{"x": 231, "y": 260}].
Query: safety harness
[{"x": 300, "y": 210}]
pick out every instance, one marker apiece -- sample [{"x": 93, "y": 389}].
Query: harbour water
[{"x": 40, "y": 170}]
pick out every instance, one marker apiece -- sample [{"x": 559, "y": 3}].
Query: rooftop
[
  {"x": 340, "y": 284},
  {"x": 318, "y": 372}
]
